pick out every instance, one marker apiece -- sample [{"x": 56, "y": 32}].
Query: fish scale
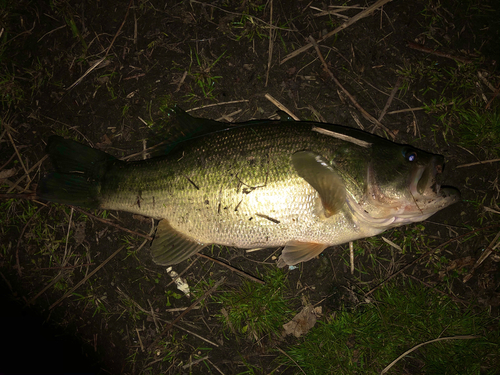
[{"x": 269, "y": 188}]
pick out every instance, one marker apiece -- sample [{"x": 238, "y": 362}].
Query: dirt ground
[{"x": 102, "y": 71}]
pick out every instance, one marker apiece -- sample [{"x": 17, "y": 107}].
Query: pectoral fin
[
  {"x": 323, "y": 178},
  {"x": 171, "y": 247},
  {"x": 296, "y": 252}
]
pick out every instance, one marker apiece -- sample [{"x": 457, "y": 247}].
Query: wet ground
[{"x": 103, "y": 73}]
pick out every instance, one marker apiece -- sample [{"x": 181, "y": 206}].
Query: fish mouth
[
  {"x": 425, "y": 186},
  {"x": 423, "y": 180}
]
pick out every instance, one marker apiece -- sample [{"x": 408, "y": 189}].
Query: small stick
[
  {"x": 486, "y": 253},
  {"x": 177, "y": 309},
  {"x": 181, "y": 81},
  {"x": 291, "y": 359},
  {"x": 239, "y": 272},
  {"x": 105, "y": 55},
  {"x": 54, "y": 280},
  {"x": 495, "y": 94},
  {"x": 112, "y": 224},
  {"x": 16, "y": 150},
  {"x": 84, "y": 280},
  {"x": 170, "y": 325},
  {"x": 281, "y": 106},
  {"x": 217, "y": 104},
  {"x": 242, "y": 14},
  {"x": 140, "y": 340},
  {"x": 195, "y": 362},
  {"x": 154, "y": 317},
  {"x": 456, "y": 299},
  {"x": 420, "y": 47},
  {"x": 345, "y": 25},
  {"x": 365, "y": 114},
  {"x": 213, "y": 364},
  {"x": 89, "y": 70},
  {"x": 467, "y": 337},
  {"x": 64, "y": 259},
  {"x": 196, "y": 335},
  {"x": 478, "y": 163},
  {"x": 65, "y": 267},
  {"x": 18, "y": 264},
  {"x": 29, "y": 171},
  {"x": 406, "y": 110},
  {"x": 351, "y": 255},
  {"x": 424, "y": 255},
  {"x": 391, "y": 97},
  {"x": 332, "y": 12},
  {"x": 271, "y": 43},
  {"x": 7, "y": 163}
]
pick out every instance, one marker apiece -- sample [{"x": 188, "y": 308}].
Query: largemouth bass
[{"x": 301, "y": 185}]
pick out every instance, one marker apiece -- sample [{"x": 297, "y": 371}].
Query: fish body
[{"x": 302, "y": 185}]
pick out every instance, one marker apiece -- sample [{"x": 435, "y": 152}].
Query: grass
[
  {"x": 201, "y": 72},
  {"x": 253, "y": 310},
  {"x": 449, "y": 95},
  {"x": 402, "y": 316}
]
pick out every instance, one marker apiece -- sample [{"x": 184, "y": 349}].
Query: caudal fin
[{"x": 79, "y": 171}]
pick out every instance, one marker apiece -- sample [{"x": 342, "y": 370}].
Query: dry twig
[
  {"x": 486, "y": 253},
  {"x": 94, "y": 66},
  {"x": 112, "y": 224},
  {"x": 271, "y": 43},
  {"x": 420, "y": 47},
  {"x": 239, "y": 272},
  {"x": 84, "y": 280},
  {"x": 478, "y": 163},
  {"x": 467, "y": 337},
  {"x": 426, "y": 254},
  {"x": 170, "y": 325},
  {"x": 349, "y": 22},
  {"x": 391, "y": 97},
  {"x": 281, "y": 106},
  {"x": 353, "y": 101}
]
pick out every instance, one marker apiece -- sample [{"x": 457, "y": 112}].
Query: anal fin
[
  {"x": 297, "y": 251},
  {"x": 171, "y": 247}
]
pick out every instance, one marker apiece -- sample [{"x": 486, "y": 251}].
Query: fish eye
[{"x": 410, "y": 155}]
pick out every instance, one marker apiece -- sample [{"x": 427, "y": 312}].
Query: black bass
[{"x": 301, "y": 185}]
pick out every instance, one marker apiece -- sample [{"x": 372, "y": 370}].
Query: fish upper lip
[{"x": 430, "y": 171}]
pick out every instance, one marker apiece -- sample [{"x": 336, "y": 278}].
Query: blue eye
[{"x": 410, "y": 155}]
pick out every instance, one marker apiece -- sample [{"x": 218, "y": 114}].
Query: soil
[{"x": 214, "y": 57}]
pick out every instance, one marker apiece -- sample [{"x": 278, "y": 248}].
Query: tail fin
[{"x": 79, "y": 170}]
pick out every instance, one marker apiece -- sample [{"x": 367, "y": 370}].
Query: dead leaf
[
  {"x": 7, "y": 173},
  {"x": 79, "y": 235},
  {"x": 460, "y": 263},
  {"x": 303, "y": 321}
]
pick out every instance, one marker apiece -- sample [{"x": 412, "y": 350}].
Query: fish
[{"x": 304, "y": 186}]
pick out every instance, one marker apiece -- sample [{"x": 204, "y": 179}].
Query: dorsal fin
[
  {"x": 284, "y": 116},
  {"x": 184, "y": 128}
]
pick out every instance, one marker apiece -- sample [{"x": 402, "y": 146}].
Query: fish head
[{"x": 403, "y": 184}]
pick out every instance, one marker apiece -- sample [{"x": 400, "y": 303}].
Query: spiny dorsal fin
[
  {"x": 323, "y": 178},
  {"x": 185, "y": 127},
  {"x": 284, "y": 116}
]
